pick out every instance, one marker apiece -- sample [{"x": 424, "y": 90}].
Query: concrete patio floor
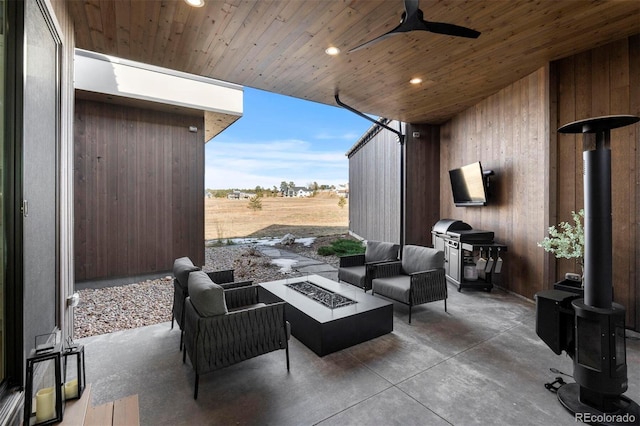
[{"x": 479, "y": 363}]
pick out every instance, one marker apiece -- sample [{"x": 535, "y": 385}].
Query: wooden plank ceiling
[{"x": 278, "y": 45}]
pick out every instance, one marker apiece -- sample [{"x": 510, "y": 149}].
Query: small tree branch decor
[{"x": 566, "y": 240}]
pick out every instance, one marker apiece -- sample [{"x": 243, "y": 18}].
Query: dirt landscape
[
  {"x": 302, "y": 217},
  {"x": 109, "y": 309}
]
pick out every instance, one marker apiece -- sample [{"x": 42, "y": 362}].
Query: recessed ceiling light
[
  {"x": 195, "y": 3},
  {"x": 416, "y": 80},
  {"x": 332, "y": 51}
]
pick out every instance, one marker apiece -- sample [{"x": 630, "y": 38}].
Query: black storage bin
[{"x": 555, "y": 319}]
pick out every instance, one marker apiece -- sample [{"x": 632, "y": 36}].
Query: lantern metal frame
[
  {"x": 77, "y": 351},
  {"x": 37, "y": 357}
]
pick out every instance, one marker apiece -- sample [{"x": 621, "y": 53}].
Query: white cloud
[{"x": 231, "y": 164}]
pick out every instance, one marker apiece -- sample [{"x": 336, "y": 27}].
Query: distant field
[{"x": 313, "y": 216}]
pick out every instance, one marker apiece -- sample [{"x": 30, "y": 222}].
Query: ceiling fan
[{"x": 412, "y": 20}]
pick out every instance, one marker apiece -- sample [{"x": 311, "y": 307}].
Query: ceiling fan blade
[
  {"x": 407, "y": 23},
  {"x": 402, "y": 28},
  {"x": 373, "y": 41},
  {"x": 450, "y": 29},
  {"x": 412, "y": 20}
]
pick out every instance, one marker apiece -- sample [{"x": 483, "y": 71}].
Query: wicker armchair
[
  {"x": 182, "y": 267},
  {"x": 248, "y": 329},
  {"x": 357, "y": 269},
  {"x": 418, "y": 278}
]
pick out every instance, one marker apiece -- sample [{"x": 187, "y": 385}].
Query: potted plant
[{"x": 566, "y": 240}]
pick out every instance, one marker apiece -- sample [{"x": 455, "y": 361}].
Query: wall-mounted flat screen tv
[{"x": 468, "y": 186}]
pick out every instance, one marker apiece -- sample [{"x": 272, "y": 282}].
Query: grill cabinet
[{"x": 467, "y": 249}]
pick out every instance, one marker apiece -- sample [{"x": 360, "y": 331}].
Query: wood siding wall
[
  {"x": 374, "y": 182},
  {"x": 139, "y": 190},
  {"x": 423, "y": 183},
  {"x": 508, "y": 133},
  {"x": 605, "y": 81},
  {"x": 538, "y": 179}
]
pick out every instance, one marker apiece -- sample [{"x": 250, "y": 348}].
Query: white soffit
[{"x": 99, "y": 73}]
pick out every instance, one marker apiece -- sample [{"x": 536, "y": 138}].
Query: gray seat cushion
[
  {"x": 182, "y": 267},
  {"x": 396, "y": 287},
  {"x": 206, "y": 296},
  {"x": 420, "y": 259},
  {"x": 353, "y": 275},
  {"x": 380, "y": 251}
]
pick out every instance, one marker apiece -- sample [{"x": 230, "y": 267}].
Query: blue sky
[{"x": 280, "y": 138}]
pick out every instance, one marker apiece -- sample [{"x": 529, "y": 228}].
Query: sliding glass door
[{"x": 3, "y": 169}]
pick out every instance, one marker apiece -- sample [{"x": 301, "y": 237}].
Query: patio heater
[{"x": 599, "y": 348}]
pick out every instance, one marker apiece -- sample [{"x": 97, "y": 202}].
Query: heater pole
[{"x": 598, "y": 260}]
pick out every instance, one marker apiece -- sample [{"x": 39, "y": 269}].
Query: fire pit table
[{"x": 327, "y": 316}]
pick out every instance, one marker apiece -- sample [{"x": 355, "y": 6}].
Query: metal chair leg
[
  {"x": 195, "y": 392},
  {"x": 287, "y": 352}
]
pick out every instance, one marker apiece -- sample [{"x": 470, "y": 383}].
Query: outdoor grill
[
  {"x": 592, "y": 330},
  {"x": 445, "y": 225},
  {"x": 460, "y": 231}
]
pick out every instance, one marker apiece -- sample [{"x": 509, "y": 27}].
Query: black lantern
[
  {"x": 43, "y": 386},
  {"x": 74, "y": 376}
]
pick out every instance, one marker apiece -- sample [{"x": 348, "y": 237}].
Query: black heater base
[{"x": 628, "y": 411}]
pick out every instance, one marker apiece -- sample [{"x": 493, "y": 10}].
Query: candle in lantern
[
  {"x": 71, "y": 389},
  {"x": 45, "y": 405}
]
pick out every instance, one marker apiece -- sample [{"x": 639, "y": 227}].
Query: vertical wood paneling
[
  {"x": 139, "y": 185},
  {"x": 374, "y": 183},
  {"x": 550, "y": 93},
  {"x": 508, "y": 134},
  {"x": 423, "y": 183},
  {"x": 606, "y": 82},
  {"x": 121, "y": 130},
  {"x": 623, "y": 168},
  {"x": 634, "y": 251}
]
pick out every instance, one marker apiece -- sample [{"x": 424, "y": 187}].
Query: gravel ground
[{"x": 112, "y": 309}]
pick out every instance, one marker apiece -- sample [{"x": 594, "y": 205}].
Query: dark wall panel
[
  {"x": 139, "y": 190},
  {"x": 423, "y": 183},
  {"x": 374, "y": 183}
]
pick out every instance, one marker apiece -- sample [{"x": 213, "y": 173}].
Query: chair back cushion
[
  {"x": 418, "y": 259},
  {"x": 206, "y": 296},
  {"x": 379, "y": 251},
  {"x": 182, "y": 267}
]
